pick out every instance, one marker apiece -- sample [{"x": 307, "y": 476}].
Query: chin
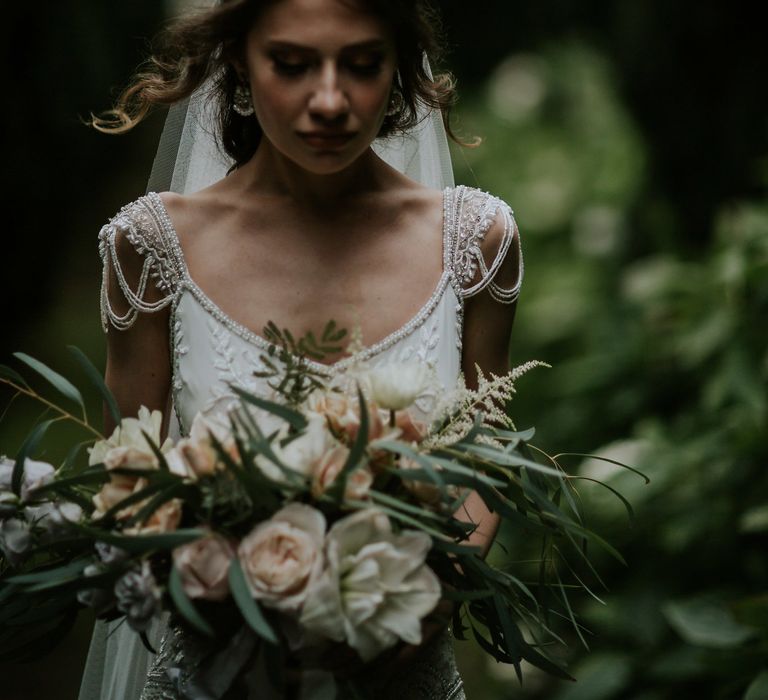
[{"x": 328, "y": 162}]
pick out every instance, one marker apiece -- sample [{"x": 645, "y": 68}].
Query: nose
[{"x": 328, "y": 99}]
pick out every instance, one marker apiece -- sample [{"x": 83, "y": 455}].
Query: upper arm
[
  {"x": 489, "y": 312},
  {"x": 135, "y": 317},
  {"x": 489, "y": 298}
]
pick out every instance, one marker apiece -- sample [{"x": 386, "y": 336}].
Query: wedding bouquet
[{"x": 325, "y": 516}]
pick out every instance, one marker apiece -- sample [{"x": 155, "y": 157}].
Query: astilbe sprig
[{"x": 458, "y": 408}]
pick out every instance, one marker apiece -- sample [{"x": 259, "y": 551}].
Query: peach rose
[
  {"x": 426, "y": 491},
  {"x": 410, "y": 430},
  {"x": 165, "y": 519},
  {"x": 282, "y": 556},
  {"x": 120, "y": 486},
  {"x": 117, "y": 489},
  {"x": 343, "y": 414},
  {"x": 203, "y": 567},
  {"x": 358, "y": 483},
  {"x": 196, "y": 456}
]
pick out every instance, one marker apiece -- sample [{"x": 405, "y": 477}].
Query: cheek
[
  {"x": 373, "y": 101},
  {"x": 275, "y": 102}
]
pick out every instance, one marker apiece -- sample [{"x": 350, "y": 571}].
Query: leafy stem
[{"x": 63, "y": 413}]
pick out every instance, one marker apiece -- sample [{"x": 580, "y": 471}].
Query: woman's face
[{"x": 321, "y": 74}]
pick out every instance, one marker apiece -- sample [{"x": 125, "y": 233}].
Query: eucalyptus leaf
[
  {"x": 293, "y": 418},
  {"x": 63, "y": 572},
  {"x": 13, "y": 376},
  {"x": 185, "y": 606},
  {"x": 96, "y": 378},
  {"x": 28, "y": 448},
  {"x": 356, "y": 453},
  {"x": 62, "y": 385},
  {"x": 758, "y": 688},
  {"x": 141, "y": 544},
  {"x": 248, "y": 606}
]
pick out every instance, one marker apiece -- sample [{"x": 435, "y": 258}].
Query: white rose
[
  {"x": 36, "y": 474},
  {"x": 196, "y": 456},
  {"x": 282, "y": 556},
  {"x": 397, "y": 386},
  {"x": 129, "y": 435},
  {"x": 53, "y": 516},
  {"x": 375, "y": 588}
]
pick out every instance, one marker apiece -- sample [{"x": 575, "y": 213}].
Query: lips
[{"x": 326, "y": 139}]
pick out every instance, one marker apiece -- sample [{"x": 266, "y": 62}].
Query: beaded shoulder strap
[
  {"x": 140, "y": 224},
  {"x": 475, "y": 213}
]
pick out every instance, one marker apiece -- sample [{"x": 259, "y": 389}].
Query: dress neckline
[{"x": 211, "y": 307}]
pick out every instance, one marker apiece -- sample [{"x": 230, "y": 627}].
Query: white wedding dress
[{"x": 210, "y": 352}]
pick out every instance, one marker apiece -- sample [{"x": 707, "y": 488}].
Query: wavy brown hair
[{"x": 210, "y": 43}]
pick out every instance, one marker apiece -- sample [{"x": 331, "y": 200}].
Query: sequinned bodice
[{"x": 211, "y": 352}]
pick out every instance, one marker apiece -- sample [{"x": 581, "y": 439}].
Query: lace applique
[
  {"x": 424, "y": 351},
  {"x": 475, "y": 213},
  {"x": 138, "y": 223},
  {"x": 235, "y": 366}
]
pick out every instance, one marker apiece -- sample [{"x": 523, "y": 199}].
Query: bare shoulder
[{"x": 189, "y": 213}]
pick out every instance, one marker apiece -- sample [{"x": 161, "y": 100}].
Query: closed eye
[
  {"x": 289, "y": 68},
  {"x": 366, "y": 68}
]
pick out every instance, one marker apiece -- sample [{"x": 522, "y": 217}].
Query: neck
[{"x": 270, "y": 171}]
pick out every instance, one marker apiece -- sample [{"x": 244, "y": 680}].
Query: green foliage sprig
[{"x": 294, "y": 378}]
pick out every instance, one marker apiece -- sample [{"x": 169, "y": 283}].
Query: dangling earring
[
  {"x": 243, "y": 101},
  {"x": 396, "y": 102}
]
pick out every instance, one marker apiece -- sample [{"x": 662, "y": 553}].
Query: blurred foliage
[{"x": 659, "y": 361}]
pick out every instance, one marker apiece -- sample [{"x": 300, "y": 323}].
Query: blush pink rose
[
  {"x": 196, "y": 456},
  {"x": 358, "y": 482},
  {"x": 410, "y": 430},
  {"x": 203, "y": 566},
  {"x": 282, "y": 556}
]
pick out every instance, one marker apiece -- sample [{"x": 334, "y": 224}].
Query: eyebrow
[{"x": 371, "y": 44}]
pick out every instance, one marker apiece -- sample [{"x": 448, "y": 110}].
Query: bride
[{"x": 313, "y": 102}]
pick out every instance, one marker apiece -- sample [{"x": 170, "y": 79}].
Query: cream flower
[
  {"x": 397, "y": 386},
  {"x": 196, "y": 456},
  {"x": 282, "y": 556},
  {"x": 129, "y": 435},
  {"x": 127, "y": 448},
  {"x": 302, "y": 453},
  {"x": 203, "y": 566},
  {"x": 375, "y": 588},
  {"x": 36, "y": 474},
  {"x": 358, "y": 482}
]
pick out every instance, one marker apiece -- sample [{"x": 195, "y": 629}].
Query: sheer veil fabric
[{"x": 188, "y": 159}]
